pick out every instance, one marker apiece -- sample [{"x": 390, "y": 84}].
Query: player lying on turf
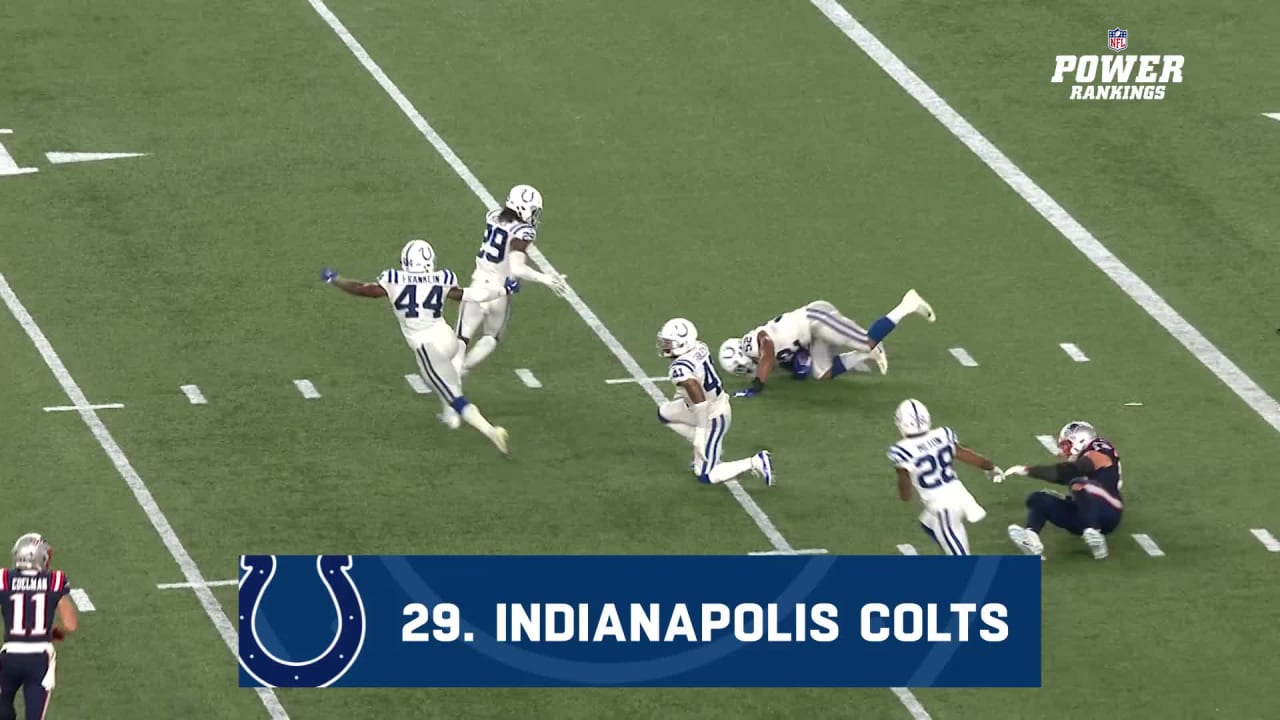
[
  {"x": 826, "y": 343},
  {"x": 508, "y": 233},
  {"x": 925, "y": 460},
  {"x": 1092, "y": 472},
  {"x": 417, "y": 292},
  {"x": 700, "y": 412}
]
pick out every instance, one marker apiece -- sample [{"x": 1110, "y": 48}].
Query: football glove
[
  {"x": 995, "y": 475},
  {"x": 1016, "y": 470},
  {"x": 328, "y": 274},
  {"x": 557, "y": 284},
  {"x": 512, "y": 286},
  {"x": 756, "y": 388}
]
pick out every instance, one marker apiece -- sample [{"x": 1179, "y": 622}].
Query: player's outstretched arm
[
  {"x": 521, "y": 270},
  {"x": 969, "y": 457},
  {"x": 352, "y": 287},
  {"x": 1060, "y": 473}
]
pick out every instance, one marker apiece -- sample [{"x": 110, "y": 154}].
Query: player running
[
  {"x": 508, "y": 233},
  {"x": 925, "y": 460},
  {"x": 1092, "y": 471},
  {"x": 700, "y": 413},
  {"x": 38, "y": 611},
  {"x": 815, "y": 340},
  {"x": 417, "y": 294}
]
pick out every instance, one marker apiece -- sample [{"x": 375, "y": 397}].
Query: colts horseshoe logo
[{"x": 327, "y": 667}]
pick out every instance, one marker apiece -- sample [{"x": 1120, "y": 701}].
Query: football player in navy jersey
[
  {"x": 1092, "y": 472},
  {"x": 33, "y": 596}
]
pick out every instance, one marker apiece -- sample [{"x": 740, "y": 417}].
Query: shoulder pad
[
  {"x": 681, "y": 370},
  {"x": 898, "y": 456}
]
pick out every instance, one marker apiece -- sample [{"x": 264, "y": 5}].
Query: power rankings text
[
  {"x": 707, "y": 622},
  {"x": 639, "y": 621}
]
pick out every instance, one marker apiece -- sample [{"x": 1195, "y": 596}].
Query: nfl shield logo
[{"x": 1117, "y": 39}]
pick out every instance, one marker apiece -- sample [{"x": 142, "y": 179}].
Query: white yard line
[
  {"x": 307, "y": 389},
  {"x": 963, "y": 357},
  {"x": 1267, "y": 539},
  {"x": 623, "y": 381},
  {"x": 1135, "y": 287},
  {"x": 1049, "y": 442},
  {"x": 588, "y": 316},
  {"x": 75, "y": 408},
  {"x": 81, "y": 600},
  {"x": 140, "y": 491},
  {"x": 189, "y": 586},
  {"x": 1148, "y": 545},
  {"x": 417, "y": 383},
  {"x": 526, "y": 376},
  {"x": 906, "y": 549},
  {"x": 193, "y": 394},
  {"x": 1074, "y": 352}
]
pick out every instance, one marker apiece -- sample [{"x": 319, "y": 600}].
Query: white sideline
[
  {"x": 140, "y": 491},
  {"x": 1128, "y": 281},
  {"x": 588, "y": 316}
]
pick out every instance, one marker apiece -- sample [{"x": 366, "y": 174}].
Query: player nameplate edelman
[{"x": 670, "y": 621}]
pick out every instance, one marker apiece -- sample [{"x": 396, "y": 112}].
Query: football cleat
[
  {"x": 922, "y": 308},
  {"x": 1097, "y": 543},
  {"x": 762, "y": 464},
  {"x": 1028, "y": 541},
  {"x": 502, "y": 440},
  {"x": 881, "y": 359}
]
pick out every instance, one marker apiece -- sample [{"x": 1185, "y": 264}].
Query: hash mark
[
  {"x": 307, "y": 389},
  {"x": 194, "y": 395},
  {"x": 526, "y": 376},
  {"x": 1073, "y": 352},
  {"x": 415, "y": 381},
  {"x": 1267, "y": 539},
  {"x": 963, "y": 357},
  {"x": 1147, "y": 544}
]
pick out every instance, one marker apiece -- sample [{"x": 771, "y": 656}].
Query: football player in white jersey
[
  {"x": 925, "y": 460},
  {"x": 417, "y": 292},
  {"x": 508, "y": 233},
  {"x": 700, "y": 413},
  {"x": 815, "y": 340}
]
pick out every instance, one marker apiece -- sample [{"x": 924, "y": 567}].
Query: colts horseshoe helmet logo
[{"x": 323, "y": 669}]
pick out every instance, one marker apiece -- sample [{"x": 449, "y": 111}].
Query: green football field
[{"x": 722, "y": 160}]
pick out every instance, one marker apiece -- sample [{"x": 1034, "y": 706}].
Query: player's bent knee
[{"x": 460, "y": 403}]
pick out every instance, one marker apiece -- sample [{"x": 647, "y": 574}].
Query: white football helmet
[
  {"x": 418, "y": 257},
  {"x": 676, "y": 337},
  {"x": 525, "y": 201},
  {"x": 31, "y": 552},
  {"x": 733, "y": 360},
  {"x": 912, "y": 418},
  {"x": 1074, "y": 437}
]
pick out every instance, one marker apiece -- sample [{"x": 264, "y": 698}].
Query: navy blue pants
[
  {"x": 1075, "y": 514},
  {"x": 26, "y": 672}
]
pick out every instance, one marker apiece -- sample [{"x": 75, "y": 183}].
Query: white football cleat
[
  {"x": 922, "y": 307},
  {"x": 762, "y": 465},
  {"x": 451, "y": 419},
  {"x": 502, "y": 440},
  {"x": 1026, "y": 540},
  {"x": 881, "y": 359},
  {"x": 1097, "y": 543}
]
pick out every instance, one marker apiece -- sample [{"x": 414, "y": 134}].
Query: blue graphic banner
[{"x": 642, "y": 621}]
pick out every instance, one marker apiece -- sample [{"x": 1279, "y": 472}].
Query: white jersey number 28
[{"x": 935, "y": 470}]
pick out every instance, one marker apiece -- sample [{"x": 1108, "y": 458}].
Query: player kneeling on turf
[
  {"x": 701, "y": 413},
  {"x": 925, "y": 460}
]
